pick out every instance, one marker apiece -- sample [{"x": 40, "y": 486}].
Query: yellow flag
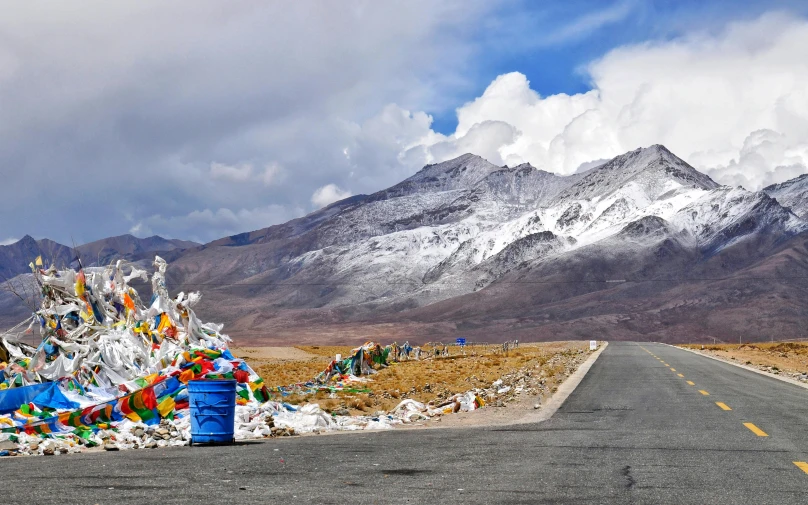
[
  {"x": 166, "y": 406},
  {"x": 39, "y": 260}
]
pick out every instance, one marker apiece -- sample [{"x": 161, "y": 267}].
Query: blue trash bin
[{"x": 213, "y": 410}]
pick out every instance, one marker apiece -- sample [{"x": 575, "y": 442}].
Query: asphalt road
[{"x": 633, "y": 431}]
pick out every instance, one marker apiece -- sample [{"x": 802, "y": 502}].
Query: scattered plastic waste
[{"x": 112, "y": 371}]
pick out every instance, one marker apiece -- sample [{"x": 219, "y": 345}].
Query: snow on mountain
[
  {"x": 792, "y": 194},
  {"x": 644, "y": 174},
  {"x": 524, "y": 185},
  {"x": 462, "y": 172},
  {"x": 642, "y": 182},
  {"x": 459, "y": 226},
  {"x": 466, "y": 227},
  {"x": 726, "y": 215}
]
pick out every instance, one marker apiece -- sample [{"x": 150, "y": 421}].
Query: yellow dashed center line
[
  {"x": 802, "y": 465},
  {"x": 754, "y": 429}
]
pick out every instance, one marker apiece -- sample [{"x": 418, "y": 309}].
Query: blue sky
[
  {"x": 550, "y": 41},
  {"x": 198, "y": 119}
]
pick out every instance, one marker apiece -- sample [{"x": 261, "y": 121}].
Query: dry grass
[
  {"x": 327, "y": 351},
  {"x": 286, "y": 372},
  {"x": 789, "y": 357},
  {"x": 426, "y": 380}
]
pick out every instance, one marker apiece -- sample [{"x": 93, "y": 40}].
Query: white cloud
[
  {"x": 224, "y": 220},
  {"x": 734, "y": 104},
  {"x": 765, "y": 157},
  {"x": 587, "y": 23},
  {"x": 328, "y": 194},
  {"x": 272, "y": 174},
  {"x": 181, "y": 114},
  {"x": 245, "y": 172},
  {"x": 198, "y": 105},
  {"x": 235, "y": 173},
  {"x": 9, "y": 241}
]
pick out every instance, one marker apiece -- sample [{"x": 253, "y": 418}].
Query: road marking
[
  {"x": 754, "y": 429},
  {"x": 705, "y": 393},
  {"x": 673, "y": 369},
  {"x": 723, "y": 406},
  {"x": 680, "y": 375},
  {"x": 691, "y": 383},
  {"x": 802, "y": 465},
  {"x": 665, "y": 364}
]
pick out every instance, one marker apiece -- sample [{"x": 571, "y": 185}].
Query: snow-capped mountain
[
  {"x": 467, "y": 233},
  {"x": 792, "y": 194},
  {"x": 455, "y": 227},
  {"x": 468, "y": 246}
]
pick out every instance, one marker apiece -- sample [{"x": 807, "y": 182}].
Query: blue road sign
[{"x": 461, "y": 341}]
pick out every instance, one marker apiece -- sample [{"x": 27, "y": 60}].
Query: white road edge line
[
  {"x": 745, "y": 367},
  {"x": 564, "y": 390}
]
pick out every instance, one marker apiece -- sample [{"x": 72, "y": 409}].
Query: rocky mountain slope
[
  {"x": 792, "y": 194},
  {"x": 642, "y": 246}
]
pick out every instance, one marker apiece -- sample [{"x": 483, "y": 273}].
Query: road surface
[{"x": 648, "y": 424}]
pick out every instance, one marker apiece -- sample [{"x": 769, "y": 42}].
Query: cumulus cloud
[
  {"x": 197, "y": 109},
  {"x": 236, "y": 173},
  {"x": 245, "y": 173},
  {"x": 328, "y": 194},
  {"x": 765, "y": 157},
  {"x": 271, "y": 174},
  {"x": 9, "y": 241},
  {"x": 732, "y": 103},
  {"x": 198, "y": 119}
]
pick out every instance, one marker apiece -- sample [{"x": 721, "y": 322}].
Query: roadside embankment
[{"x": 784, "y": 359}]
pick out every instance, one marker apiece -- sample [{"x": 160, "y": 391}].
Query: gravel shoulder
[{"x": 784, "y": 360}]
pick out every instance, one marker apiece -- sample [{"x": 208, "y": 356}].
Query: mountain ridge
[
  {"x": 15, "y": 257},
  {"x": 468, "y": 247}
]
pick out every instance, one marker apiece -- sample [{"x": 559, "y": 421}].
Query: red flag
[{"x": 149, "y": 400}]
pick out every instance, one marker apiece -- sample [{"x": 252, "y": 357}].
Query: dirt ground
[
  {"x": 780, "y": 358},
  {"x": 257, "y": 355},
  {"x": 536, "y": 368}
]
